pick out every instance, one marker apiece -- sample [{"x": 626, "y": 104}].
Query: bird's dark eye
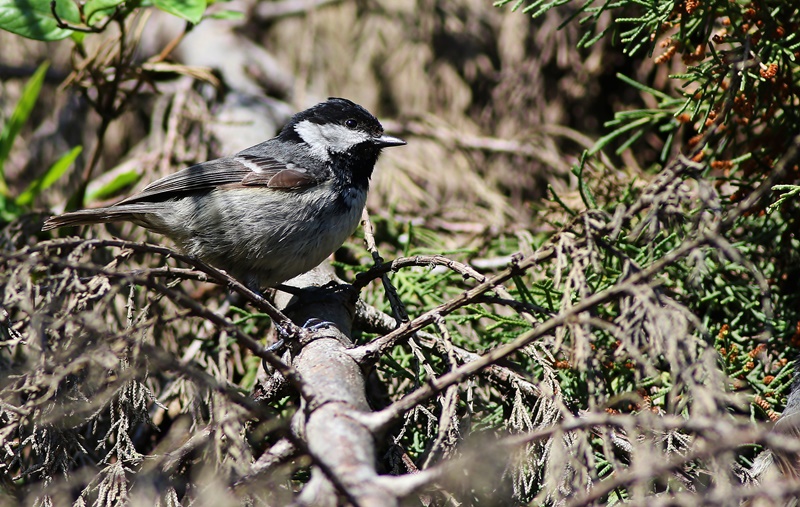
[{"x": 351, "y": 124}]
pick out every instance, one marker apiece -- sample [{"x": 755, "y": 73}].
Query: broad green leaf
[
  {"x": 18, "y": 118},
  {"x": 34, "y": 19},
  {"x": 95, "y": 10},
  {"x": 113, "y": 187},
  {"x": 67, "y": 9},
  {"x": 52, "y": 175},
  {"x": 190, "y": 10}
]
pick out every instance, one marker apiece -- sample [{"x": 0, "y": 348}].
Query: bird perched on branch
[{"x": 272, "y": 211}]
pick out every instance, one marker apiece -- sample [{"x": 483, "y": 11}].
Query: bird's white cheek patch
[
  {"x": 311, "y": 134},
  {"x": 341, "y": 139},
  {"x": 324, "y": 138}
]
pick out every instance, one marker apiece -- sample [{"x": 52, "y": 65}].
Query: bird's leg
[{"x": 307, "y": 295}]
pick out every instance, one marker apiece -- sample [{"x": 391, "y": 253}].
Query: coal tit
[{"x": 272, "y": 211}]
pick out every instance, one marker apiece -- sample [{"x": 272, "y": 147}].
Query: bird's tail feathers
[{"x": 126, "y": 212}]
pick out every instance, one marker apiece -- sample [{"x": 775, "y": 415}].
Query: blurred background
[{"x": 495, "y": 105}]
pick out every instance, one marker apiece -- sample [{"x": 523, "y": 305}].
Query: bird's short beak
[{"x": 387, "y": 141}]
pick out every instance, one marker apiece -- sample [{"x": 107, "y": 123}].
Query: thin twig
[
  {"x": 371, "y": 351},
  {"x": 466, "y": 271},
  {"x": 87, "y": 29},
  {"x": 394, "y": 411},
  {"x": 215, "y": 274},
  {"x": 199, "y": 310}
]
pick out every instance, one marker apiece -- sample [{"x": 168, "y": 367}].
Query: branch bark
[{"x": 330, "y": 423}]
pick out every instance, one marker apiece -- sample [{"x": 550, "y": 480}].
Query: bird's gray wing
[{"x": 241, "y": 170}]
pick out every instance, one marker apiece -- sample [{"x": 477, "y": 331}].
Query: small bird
[{"x": 272, "y": 211}]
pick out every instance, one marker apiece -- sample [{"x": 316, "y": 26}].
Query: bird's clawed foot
[{"x": 312, "y": 325}]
